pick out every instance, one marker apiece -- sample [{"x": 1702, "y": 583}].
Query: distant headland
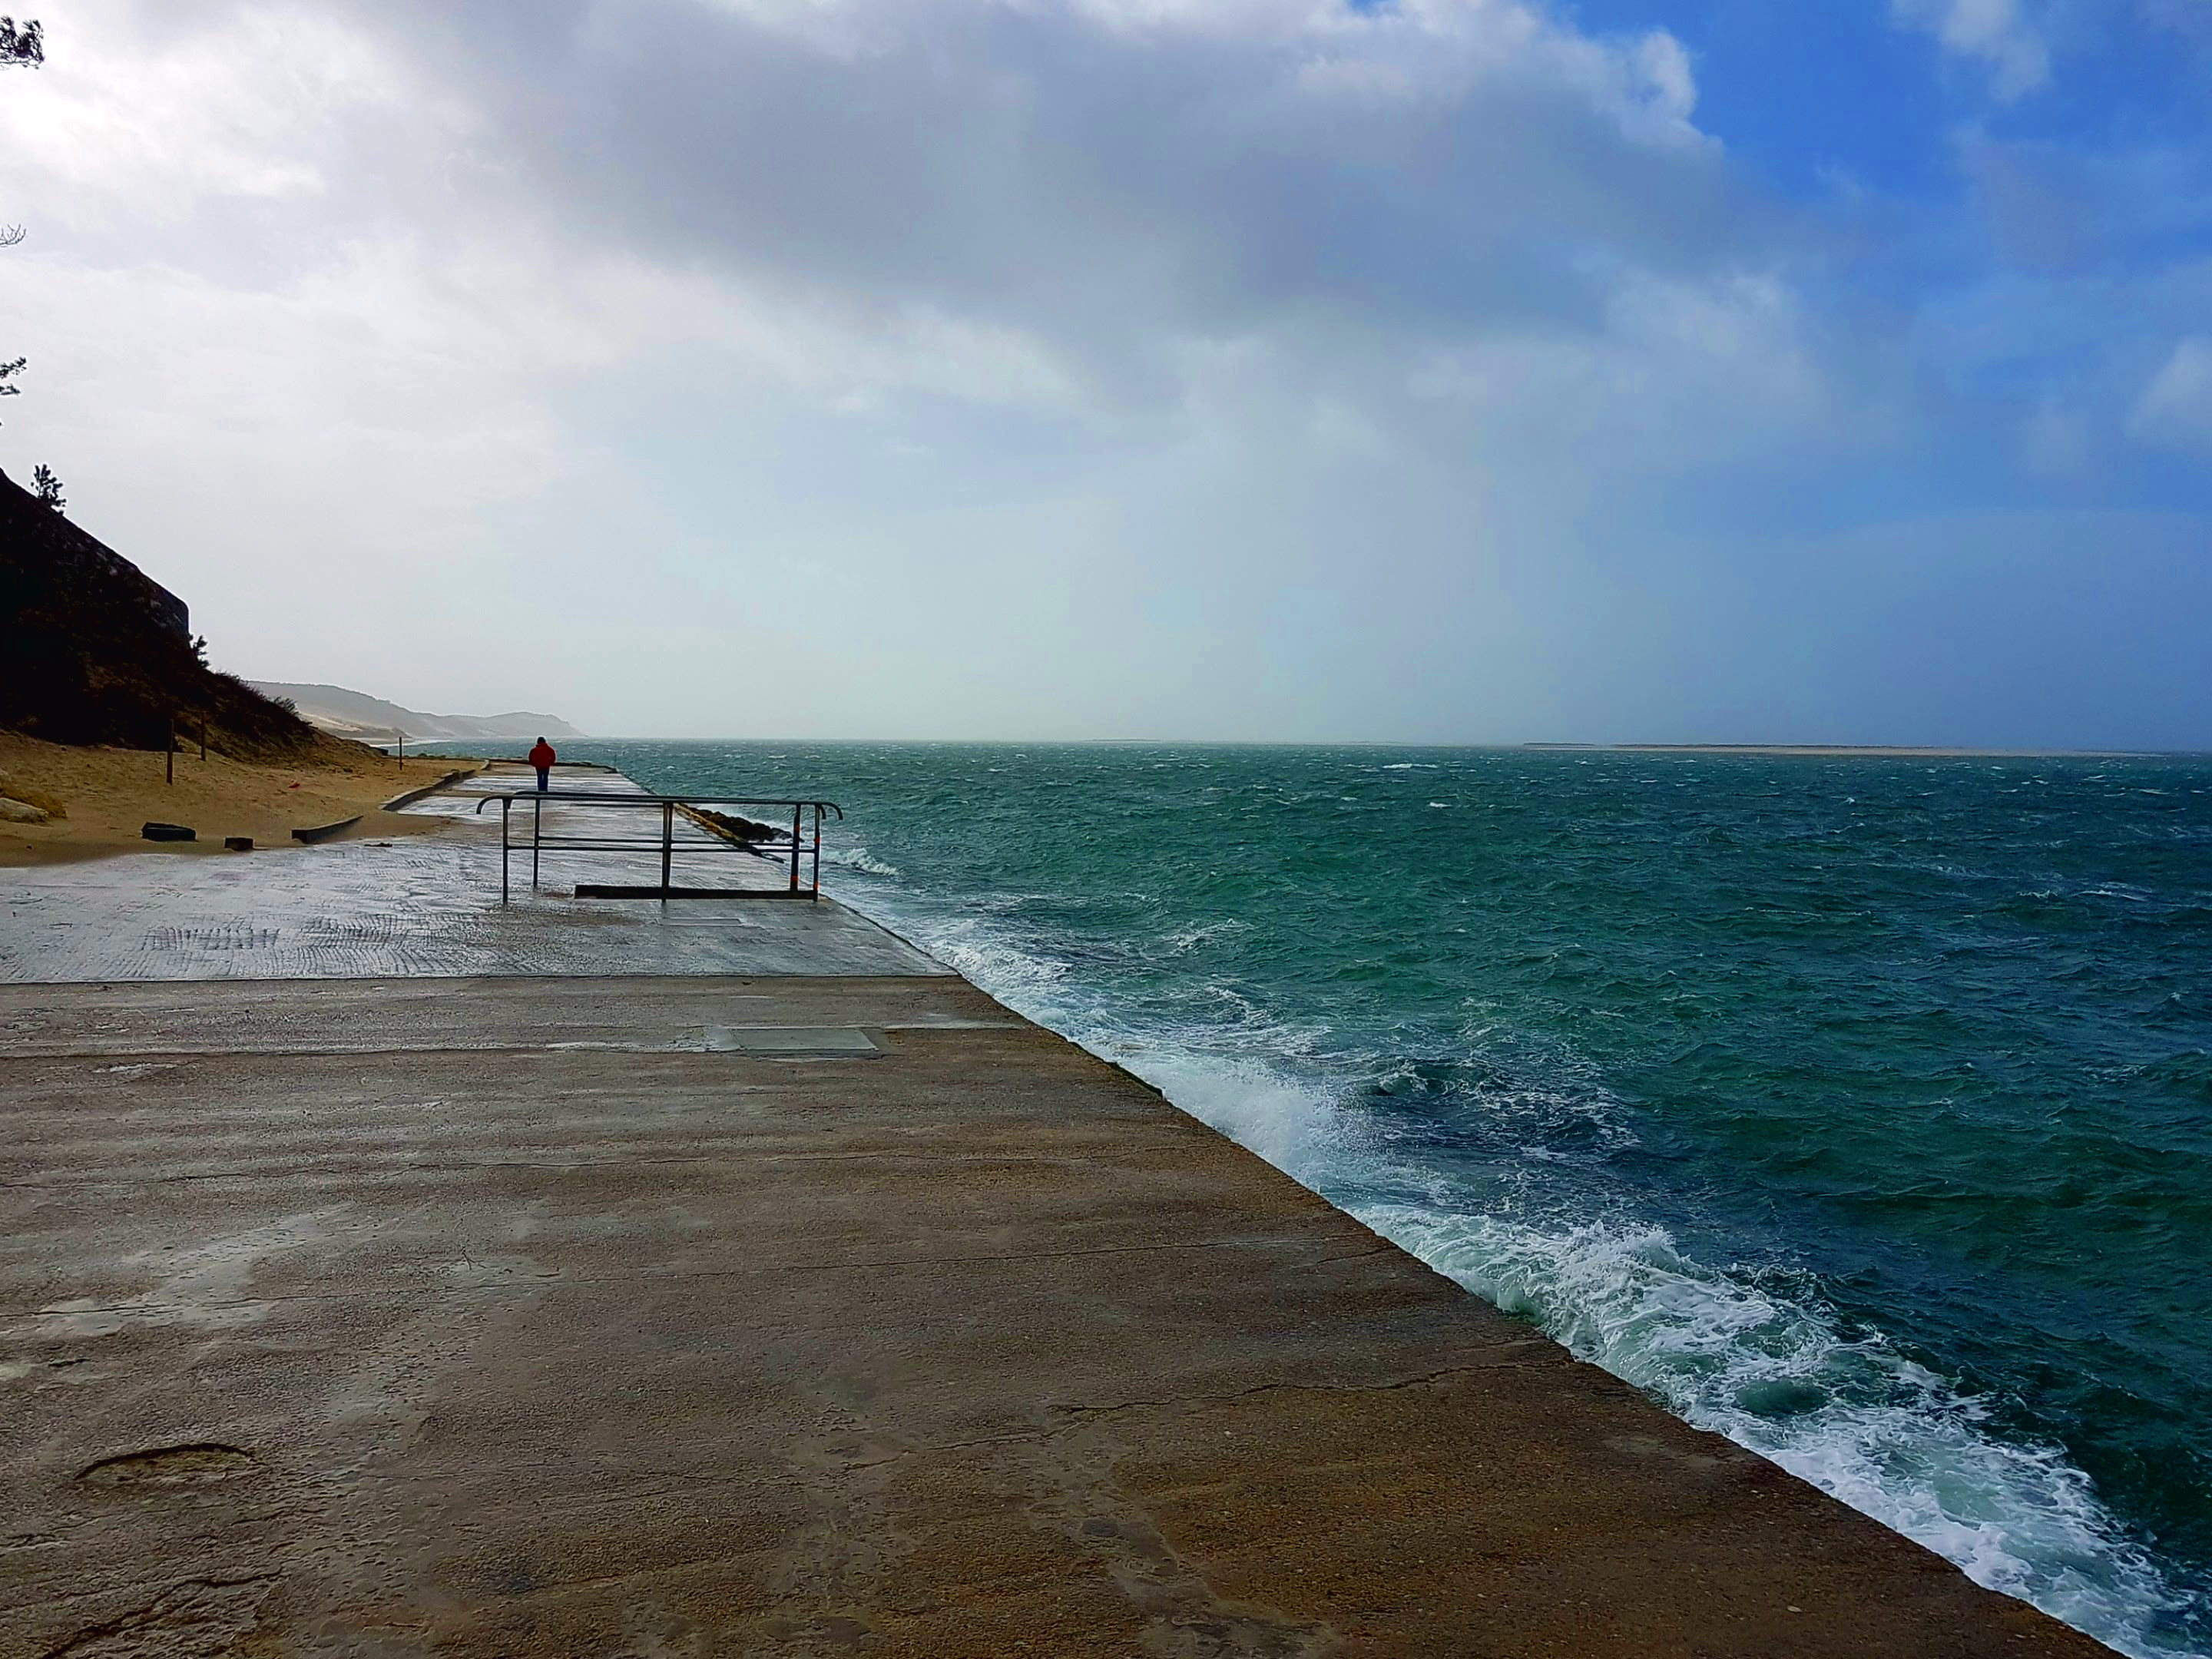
[{"x": 372, "y": 720}]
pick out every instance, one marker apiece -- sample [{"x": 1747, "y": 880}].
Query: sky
[{"x": 1417, "y": 370}]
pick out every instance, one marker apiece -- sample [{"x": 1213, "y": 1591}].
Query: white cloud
[
  {"x": 2175, "y": 408},
  {"x": 1090, "y": 355},
  {"x": 1997, "y": 34},
  {"x": 1023, "y": 205},
  {"x": 155, "y": 125},
  {"x": 708, "y": 309}
]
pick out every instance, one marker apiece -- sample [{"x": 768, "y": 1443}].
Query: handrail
[
  {"x": 640, "y": 799},
  {"x": 669, "y": 805}
]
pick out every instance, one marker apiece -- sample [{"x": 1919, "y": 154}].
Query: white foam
[
  {"x": 857, "y": 857},
  {"x": 1261, "y": 1110},
  {"x": 1189, "y": 938},
  {"x": 1774, "y": 1374}
]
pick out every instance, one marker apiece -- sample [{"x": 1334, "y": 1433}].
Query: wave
[
  {"x": 857, "y": 857},
  {"x": 1754, "y": 1353},
  {"x": 1189, "y": 938}
]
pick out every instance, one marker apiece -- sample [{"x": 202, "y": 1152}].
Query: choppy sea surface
[{"x": 1860, "y": 1110}]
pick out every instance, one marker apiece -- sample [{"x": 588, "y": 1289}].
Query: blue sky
[{"x": 1472, "y": 370}]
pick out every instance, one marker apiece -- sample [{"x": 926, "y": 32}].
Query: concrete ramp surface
[
  {"x": 797, "y": 1316},
  {"x": 428, "y": 905}
]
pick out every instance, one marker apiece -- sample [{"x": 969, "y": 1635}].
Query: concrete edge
[
  {"x": 325, "y": 832},
  {"x": 413, "y": 795}
]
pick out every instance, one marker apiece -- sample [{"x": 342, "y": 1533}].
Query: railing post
[
  {"x": 537, "y": 833},
  {"x": 667, "y": 844},
  {"x": 817, "y": 849},
  {"x": 504, "y": 804},
  {"x": 794, "y": 847}
]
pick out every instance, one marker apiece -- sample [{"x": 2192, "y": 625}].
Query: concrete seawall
[{"x": 779, "y": 1294}]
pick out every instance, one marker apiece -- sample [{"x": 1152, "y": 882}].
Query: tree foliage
[
  {"x": 47, "y": 487},
  {"x": 24, "y": 46}
]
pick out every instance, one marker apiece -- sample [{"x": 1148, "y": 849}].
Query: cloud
[
  {"x": 2175, "y": 409},
  {"x": 1099, "y": 177},
  {"x": 1997, "y": 34},
  {"x": 1250, "y": 368},
  {"x": 1035, "y": 206}
]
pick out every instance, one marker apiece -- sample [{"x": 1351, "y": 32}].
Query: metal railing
[{"x": 773, "y": 848}]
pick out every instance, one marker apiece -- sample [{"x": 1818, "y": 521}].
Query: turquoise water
[{"x": 1861, "y": 1110}]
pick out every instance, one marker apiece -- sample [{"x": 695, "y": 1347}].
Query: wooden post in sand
[
  {"x": 203, "y": 737},
  {"x": 169, "y": 754}
]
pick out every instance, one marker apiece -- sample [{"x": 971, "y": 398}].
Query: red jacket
[{"x": 542, "y": 754}]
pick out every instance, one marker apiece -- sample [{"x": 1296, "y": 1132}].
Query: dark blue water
[{"x": 1859, "y": 1109}]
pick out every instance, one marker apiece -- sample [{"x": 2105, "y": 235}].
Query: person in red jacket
[{"x": 542, "y": 758}]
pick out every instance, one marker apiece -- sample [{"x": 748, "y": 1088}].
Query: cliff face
[{"x": 92, "y": 650}]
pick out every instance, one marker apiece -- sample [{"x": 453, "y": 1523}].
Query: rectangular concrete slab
[
  {"x": 826, "y": 1041},
  {"x": 515, "y": 1315}
]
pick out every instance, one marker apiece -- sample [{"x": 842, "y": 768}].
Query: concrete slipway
[{"x": 382, "y": 1274}]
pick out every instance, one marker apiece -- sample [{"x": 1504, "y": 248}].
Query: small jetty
[{"x": 388, "y": 1271}]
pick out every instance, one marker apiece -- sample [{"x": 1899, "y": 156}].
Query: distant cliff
[
  {"x": 356, "y": 715},
  {"x": 92, "y": 650}
]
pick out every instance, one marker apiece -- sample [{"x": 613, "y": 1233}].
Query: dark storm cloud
[{"x": 1094, "y": 184}]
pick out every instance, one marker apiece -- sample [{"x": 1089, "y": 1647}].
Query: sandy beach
[{"x": 108, "y": 794}]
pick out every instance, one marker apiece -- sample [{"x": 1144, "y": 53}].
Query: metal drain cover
[{"x": 794, "y": 1041}]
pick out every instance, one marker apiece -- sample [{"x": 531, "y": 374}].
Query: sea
[{"x": 1859, "y": 1109}]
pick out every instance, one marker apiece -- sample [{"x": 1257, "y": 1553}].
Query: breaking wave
[
  {"x": 857, "y": 857},
  {"x": 1751, "y": 1352}
]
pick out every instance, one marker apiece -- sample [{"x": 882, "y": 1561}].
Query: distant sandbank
[{"x": 1900, "y": 751}]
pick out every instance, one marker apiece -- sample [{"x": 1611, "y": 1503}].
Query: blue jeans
[{"x": 544, "y": 772}]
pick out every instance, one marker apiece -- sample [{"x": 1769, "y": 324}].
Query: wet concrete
[
  {"x": 787, "y": 1315},
  {"x": 429, "y": 905},
  {"x": 512, "y": 1316}
]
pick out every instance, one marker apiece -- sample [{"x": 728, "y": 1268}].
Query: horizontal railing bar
[
  {"x": 702, "y": 840},
  {"x": 647, "y": 846},
  {"x": 598, "y": 799},
  {"x": 779, "y": 846}
]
